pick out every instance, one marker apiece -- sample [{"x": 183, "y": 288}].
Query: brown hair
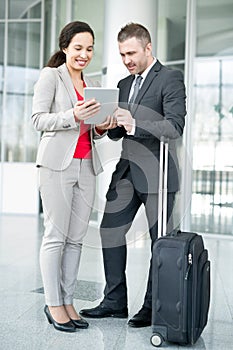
[
  {"x": 66, "y": 35},
  {"x": 136, "y": 30}
]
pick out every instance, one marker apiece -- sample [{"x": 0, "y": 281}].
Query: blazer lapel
[
  {"x": 65, "y": 77},
  {"x": 145, "y": 86},
  {"x": 125, "y": 92}
]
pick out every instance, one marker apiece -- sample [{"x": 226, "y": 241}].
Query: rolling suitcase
[{"x": 181, "y": 277}]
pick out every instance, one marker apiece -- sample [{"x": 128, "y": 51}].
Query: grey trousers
[{"x": 67, "y": 200}]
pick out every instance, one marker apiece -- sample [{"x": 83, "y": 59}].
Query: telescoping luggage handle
[{"x": 162, "y": 195}]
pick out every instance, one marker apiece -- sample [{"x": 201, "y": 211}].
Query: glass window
[
  {"x": 212, "y": 163},
  {"x": 1, "y": 105},
  {"x": 214, "y": 27},
  {"x": 0, "y": 123},
  {"x": 1, "y": 77},
  {"x": 48, "y": 31},
  {"x": 176, "y": 66},
  {"x": 24, "y": 44},
  {"x": 2, "y": 31},
  {"x": 53, "y": 26},
  {"x": 171, "y": 30},
  {"x": 22, "y": 71},
  {"x": 61, "y": 16},
  {"x": 22, "y": 9},
  {"x": 81, "y": 10},
  {"x": 20, "y": 139},
  {"x": 2, "y": 9}
]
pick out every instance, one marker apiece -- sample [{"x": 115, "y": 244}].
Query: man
[{"x": 157, "y": 110}]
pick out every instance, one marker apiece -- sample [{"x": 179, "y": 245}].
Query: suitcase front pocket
[
  {"x": 203, "y": 294},
  {"x": 205, "y": 297}
]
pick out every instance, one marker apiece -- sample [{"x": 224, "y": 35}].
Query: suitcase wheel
[{"x": 156, "y": 339}]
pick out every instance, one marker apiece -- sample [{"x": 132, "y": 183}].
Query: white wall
[{"x": 19, "y": 194}]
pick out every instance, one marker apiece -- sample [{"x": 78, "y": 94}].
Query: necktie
[{"x": 136, "y": 89}]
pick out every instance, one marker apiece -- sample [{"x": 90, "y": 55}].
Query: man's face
[{"x": 134, "y": 55}]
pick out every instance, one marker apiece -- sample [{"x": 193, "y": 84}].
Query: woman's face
[{"x": 79, "y": 52}]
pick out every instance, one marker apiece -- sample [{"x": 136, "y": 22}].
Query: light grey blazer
[{"x": 52, "y": 112}]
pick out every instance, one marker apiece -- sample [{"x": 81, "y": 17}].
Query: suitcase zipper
[{"x": 190, "y": 262}]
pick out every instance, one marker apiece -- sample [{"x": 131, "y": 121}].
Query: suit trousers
[
  {"x": 123, "y": 202},
  {"x": 67, "y": 200}
]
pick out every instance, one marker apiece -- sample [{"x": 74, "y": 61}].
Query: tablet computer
[{"x": 108, "y": 98}]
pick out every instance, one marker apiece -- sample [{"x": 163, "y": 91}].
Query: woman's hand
[
  {"x": 109, "y": 123},
  {"x": 85, "y": 109}
]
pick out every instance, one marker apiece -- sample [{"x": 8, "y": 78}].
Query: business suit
[
  {"x": 66, "y": 184},
  {"x": 159, "y": 110},
  {"x": 52, "y": 113}
]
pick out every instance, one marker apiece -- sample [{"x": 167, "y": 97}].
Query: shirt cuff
[
  {"x": 132, "y": 132},
  {"x": 99, "y": 131}
]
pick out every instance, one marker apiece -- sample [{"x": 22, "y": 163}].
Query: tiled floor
[{"x": 23, "y": 325}]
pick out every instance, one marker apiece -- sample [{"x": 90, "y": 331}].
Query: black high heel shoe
[
  {"x": 63, "y": 327},
  {"x": 80, "y": 323}
]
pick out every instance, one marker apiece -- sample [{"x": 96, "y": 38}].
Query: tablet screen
[{"x": 108, "y": 98}]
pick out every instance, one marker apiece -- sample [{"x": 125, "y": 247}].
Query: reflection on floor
[
  {"x": 23, "y": 324},
  {"x": 212, "y": 214}
]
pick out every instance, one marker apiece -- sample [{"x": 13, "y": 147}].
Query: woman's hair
[
  {"x": 136, "y": 30},
  {"x": 66, "y": 35}
]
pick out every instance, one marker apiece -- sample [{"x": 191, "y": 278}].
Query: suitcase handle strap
[{"x": 162, "y": 195}]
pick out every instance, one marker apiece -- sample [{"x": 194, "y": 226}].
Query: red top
[{"x": 83, "y": 147}]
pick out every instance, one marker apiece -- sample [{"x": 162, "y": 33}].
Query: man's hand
[{"x": 125, "y": 119}]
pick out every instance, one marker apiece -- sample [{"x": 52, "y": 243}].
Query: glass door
[
  {"x": 212, "y": 199},
  {"x": 21, "y": 28}
]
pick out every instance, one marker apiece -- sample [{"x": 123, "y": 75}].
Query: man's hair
[{"x": 134, "y": 30}]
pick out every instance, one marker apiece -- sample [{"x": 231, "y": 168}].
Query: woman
[{"x": 68, "y": 163}]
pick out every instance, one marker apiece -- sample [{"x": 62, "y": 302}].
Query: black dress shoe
[
  {"x": 102, "y": 311},
  {"x": 141, "y": 319},
  {"x": 63, "y": 327},
  {"x": 80, "y": 323}
]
